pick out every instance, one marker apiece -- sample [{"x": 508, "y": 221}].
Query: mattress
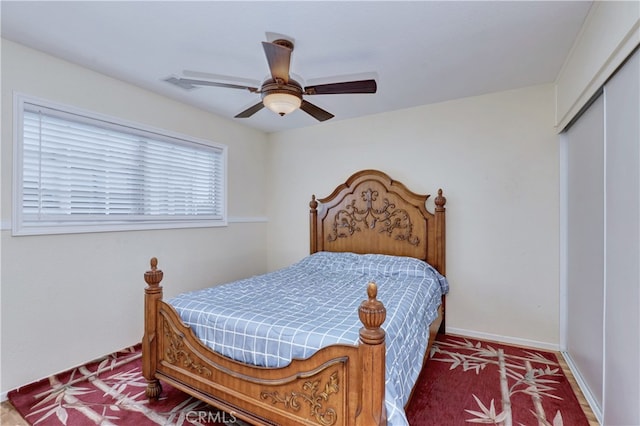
[{"x": 270, "y": 319}]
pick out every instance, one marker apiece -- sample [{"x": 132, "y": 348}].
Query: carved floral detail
[
  {"x": 312, "y": 397},
  {"x": 348, "y": 220},
  {"x": 176, "y": 352}
]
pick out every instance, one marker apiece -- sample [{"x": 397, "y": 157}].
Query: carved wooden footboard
[{"x": 338, "y": 385}]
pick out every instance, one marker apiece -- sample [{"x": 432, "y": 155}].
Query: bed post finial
[
  {"x": 440, "y": 201},
  {"x": 153, "y": 276},
  {"x": 152, "y": 298},
  {"x": 372, "y": 313}
]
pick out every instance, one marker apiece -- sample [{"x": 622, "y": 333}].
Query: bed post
[
  {"x": 372, "y": 313},
  {"x": 152, "y": 296},
  {"x": 313, "y": 225},
  {"x": 440, "y": 201}
]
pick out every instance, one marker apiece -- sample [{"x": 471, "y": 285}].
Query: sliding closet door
[
  {"x": 585, "y": 247},
  {"x": 622, "y": 278},
  {"x": 602, "y": 239}
]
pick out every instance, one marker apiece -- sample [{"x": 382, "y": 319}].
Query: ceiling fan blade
[
  {"x": 250, "y": 111},
  {"x": 315, "y": 111},
  {"x": 360, "y": 86},
  {"x": 279, "y": 59},
  {"x": 219, "y": 77},
  {"x": 188, "y": 81}
]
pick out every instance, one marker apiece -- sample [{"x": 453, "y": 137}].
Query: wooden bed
[{"x": 340, "y": 384}]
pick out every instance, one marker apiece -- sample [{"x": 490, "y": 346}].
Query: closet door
[
  {"x": 585, "y": 247},
  {"x": 622, "y": 256}
]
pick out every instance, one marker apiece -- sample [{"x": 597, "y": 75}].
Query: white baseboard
[
  {"x": 4, "y": 396},
  {"x": 588, "y": 395},
  {"x": 504, "y": 339}
]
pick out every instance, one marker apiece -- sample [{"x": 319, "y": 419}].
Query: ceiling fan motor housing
[{"x": 284, "y": 43}]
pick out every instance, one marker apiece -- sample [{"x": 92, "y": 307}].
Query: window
[{"x": 76, "y": 171}]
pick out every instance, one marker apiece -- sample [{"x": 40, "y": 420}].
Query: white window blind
[{"x": 86, "y": 173}]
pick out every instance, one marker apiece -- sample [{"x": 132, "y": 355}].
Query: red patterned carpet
[
  {"x": 110, "y": 391},
  {"x": 468, "y": 381},
  {"x": 465, "y": 381}
]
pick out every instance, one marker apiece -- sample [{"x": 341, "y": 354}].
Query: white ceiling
[{"x": 420, "y": 52}]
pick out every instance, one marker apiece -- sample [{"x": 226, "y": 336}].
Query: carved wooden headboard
[{"x": 372, "y": 213}]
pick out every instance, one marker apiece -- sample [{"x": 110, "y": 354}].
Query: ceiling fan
[{"x": 280, "y": 93}]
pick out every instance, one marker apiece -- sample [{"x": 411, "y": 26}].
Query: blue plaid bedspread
[{"x": 270, "y": 319}]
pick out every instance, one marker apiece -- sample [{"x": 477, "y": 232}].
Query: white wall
[
  {"x": 496, "y": 158},
  {"x": 67, "y": 299}
]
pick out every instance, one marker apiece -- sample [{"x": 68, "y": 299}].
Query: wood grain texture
[{"x": 339, "y": 384}]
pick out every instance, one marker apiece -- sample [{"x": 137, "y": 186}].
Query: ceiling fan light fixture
[
  {"x": 279, "y": 92},
  {"x": 282, "y": 103}
]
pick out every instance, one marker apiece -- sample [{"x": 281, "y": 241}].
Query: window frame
[{"x": 105, "y": 224}]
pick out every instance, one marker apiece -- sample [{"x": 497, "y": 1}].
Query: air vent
[{"x": 180, "y": 83}]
